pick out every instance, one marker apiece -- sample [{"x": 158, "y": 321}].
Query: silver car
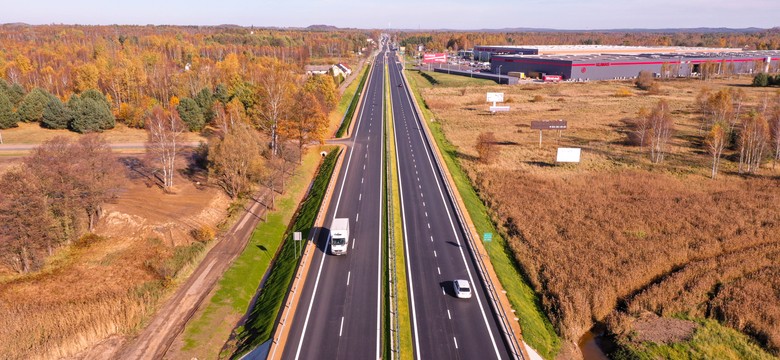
[{"x": 462, "y": 288}]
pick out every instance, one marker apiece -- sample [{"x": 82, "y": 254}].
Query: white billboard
[
  {"x": 495, "y": 97},
  {"x": 569, "y": 155}
]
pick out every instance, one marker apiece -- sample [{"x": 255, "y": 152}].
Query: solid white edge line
[
  {"x": 452, "y": 225},
  {"x": 406, "y": 249},
  {"x": 327, "y": 243},
  {"x": 379, "y": 232}
]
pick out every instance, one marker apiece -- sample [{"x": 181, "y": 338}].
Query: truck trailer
[{"x": 339, "y": 236}]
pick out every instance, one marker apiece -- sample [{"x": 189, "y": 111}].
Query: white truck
[{"x": 339, "y": 236}]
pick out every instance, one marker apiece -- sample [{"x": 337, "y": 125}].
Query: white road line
[
  {"x": 322, "y": 262},
  {"x": 454, "y": 231},
  {"x": 341, "y": 328},
  {"x": 426, "y": 214},
  {"x": 379, "y": 235},
  {"x": 456, "y": 342},
  {"x": 449, "y": 316},
  {"x": 438, "y": 269},
  {"x": 429, "y": 225},
  {"x": 348, "y": 276},
  {"x": 357, "y": 217},
  {"x": 361, "y": 180},
  {"x": 431, "y": 238},
  {"x": 423, "y": 203},
  {"x": 360, "y": 197},
  {"x": 442, "y": 291},
  {"x": 434, "y": 254},
  {"x": 353, "y": 243}
]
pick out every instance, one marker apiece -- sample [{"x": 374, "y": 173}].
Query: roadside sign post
[
  {"x": 548, "y": 125},
  {"x": 496, "y": 98},
  {"x": 297, "y": 237}
]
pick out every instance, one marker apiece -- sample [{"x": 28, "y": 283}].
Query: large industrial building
[
  {"x": 617, "y": 66},
  {"x": 485, "y": 52}
]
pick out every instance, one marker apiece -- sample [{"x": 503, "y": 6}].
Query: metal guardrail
[{"x": 504, "y": 318}]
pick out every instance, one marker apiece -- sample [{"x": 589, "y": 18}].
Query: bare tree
[
  {"x": 661, "y": 127},
  {"x": 641, "y": 125},
  {"x": 753, "y": 139},
  {"x": 26, "y": 223},
  {"x": 96, "y": 175},
  {"x": 716, "y": 141},
  {"x": 165, "y": 132}
]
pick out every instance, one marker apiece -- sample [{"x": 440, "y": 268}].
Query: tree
[
  {"x": 25, "y": 221},
  {"x": 15, "y": 92},
  {"x": 221, "y": 94},
  {"x": 165, "y": 132},
  {"x": 55, "y": 114},
  {"x": 661, "y": 126},
  {"x": 274, "y": 93},
  {"x": 89, "y": 115},
  {"x": 235, "y": 161},
  {"x": 752, "y": 142},
  {"x": 95, "y": 175},
  {"x": 761, "y": 80},
  {"x": 645, "y": 80},
  {"x": 205, "y": 100},
  {"x": 306, "y": 123},
  {"x": 641, "y": 125},
  {"x": 8, "y": 118},
  {"x": 774, "y": 127},
  {"x": 324, "y": 89},
  {"x": 191, "y": 114},
  {"x": 486, "y": 147},
  {"x": 716, "y": 141},
  {"x": 31, "y": 107}
]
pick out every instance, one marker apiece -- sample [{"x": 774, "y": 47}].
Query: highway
[
  {"x": 339, "y": 315},
  {"x": 443, "y": 326}
]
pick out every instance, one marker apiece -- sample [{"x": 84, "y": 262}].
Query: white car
[{"x": 462, "y": 288}]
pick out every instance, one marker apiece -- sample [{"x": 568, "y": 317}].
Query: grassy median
[
  {"x": 538, "y": 331},
  {"x": 395, "y": 221}
]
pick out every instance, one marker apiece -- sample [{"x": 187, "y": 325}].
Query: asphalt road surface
[
  {"x": 443, "y": 326},
  {"x": 339, "y": 315}
]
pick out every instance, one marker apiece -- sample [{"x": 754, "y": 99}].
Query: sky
[{"x": 403, "y": 14}]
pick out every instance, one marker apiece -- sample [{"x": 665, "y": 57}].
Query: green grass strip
[
  {"x": 259, "y": 325},
  {"x": 207, "y": 332},
  {"x": 538, "y": 331},
  {"x": 404, "y": 319},
  {"x": 353, "y": 105}
]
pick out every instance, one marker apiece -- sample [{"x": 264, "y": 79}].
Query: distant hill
[{"x": 322, "y": 28}]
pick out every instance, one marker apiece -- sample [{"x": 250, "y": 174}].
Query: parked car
[{"x": 462, "y": 288}]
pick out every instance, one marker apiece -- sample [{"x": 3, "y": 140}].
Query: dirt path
[{"x": 169, "y": 321}]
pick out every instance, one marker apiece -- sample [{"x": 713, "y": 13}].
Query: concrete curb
[
  {"x": 503, "y": 301},
  {"x": 282, "y": 331}
]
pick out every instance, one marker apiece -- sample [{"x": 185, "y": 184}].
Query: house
[
  {"x": 345, "y": 69},
  {"x": 317, "y": 69}
]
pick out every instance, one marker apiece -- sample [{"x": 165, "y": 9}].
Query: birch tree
[
  {"x": 165, "y": 133},
  {"x": 276, "y": 85},
  {"x": 716, "y": 141},
  {"x": 752, "y": 142},
  {"x": 661, "y": 126}
]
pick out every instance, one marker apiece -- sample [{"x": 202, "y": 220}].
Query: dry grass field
[
  {"x": 109, "y": 284},
  {"x": 614, "y": 237},
  {"x": 32, "y": 133}
]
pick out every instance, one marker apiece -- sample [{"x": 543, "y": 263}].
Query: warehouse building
[
  {"x": 622, "y": 66},
  {"x": 485, "y": 52}
]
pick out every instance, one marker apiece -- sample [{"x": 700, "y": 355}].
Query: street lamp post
[{"x": 499, "y": 74}]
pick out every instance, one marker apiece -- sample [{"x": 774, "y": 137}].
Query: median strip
[{"x": 400, "y": 331}]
